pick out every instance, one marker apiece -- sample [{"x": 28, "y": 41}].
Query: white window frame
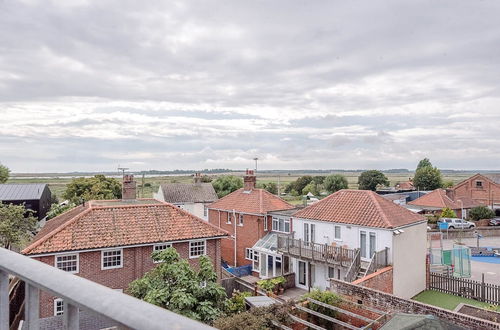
[
  {"x": 249, "y": 254},
  {"x": 191, "y": 256},
  {"x": 67, "y": 255},
  {"x": 275, "y": 225},
  {"x": 240, "y": 220},
  {"x": 265, "y": 224},
  {"x": 56, "y": 311},
  {"x": 205, "y": 211},
  {"x": 228, "y": 221},
  {"x": 155, "y": 246},
  {"x": 335, "y": 233},
  {"x": 256, "y": 258},
  {"x": 111, "y": 267}
]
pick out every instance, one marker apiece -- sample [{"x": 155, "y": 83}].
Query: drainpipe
[{"x": 235, "y": 235}]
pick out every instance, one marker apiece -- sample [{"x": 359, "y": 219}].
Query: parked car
[
  {"x": 455, "y": 223},
  {"x": 495, "y": 222}
]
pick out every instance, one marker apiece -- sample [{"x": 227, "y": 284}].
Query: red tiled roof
[
  {"x": 257, "y": 201},
  {"x": 408, "y": 185},
  {"x": 436, "y": 199},
  {"x": 100, "y": 226},
  {"x": 359, "y": 207}
]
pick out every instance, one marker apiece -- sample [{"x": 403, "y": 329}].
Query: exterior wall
[
  {"x": 319, "y": 274},
  {"x": 487, "y": 195},
  {"x": 381, "y": 280},
  {"x": 392, "y": 304},
  {"x": 349, "y": 236},
  {"x": 196, "y": 209},
  {"x": 409, "y": 253},
  {"x": 159, "y": 195},
  {"x": 246, "y": 235},
  {"x": 136, "y": 262}
]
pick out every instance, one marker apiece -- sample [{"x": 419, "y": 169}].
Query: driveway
[{"x": 491, "y": 271}]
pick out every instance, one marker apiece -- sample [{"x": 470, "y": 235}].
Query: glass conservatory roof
[{"x": 268, "y": 243}]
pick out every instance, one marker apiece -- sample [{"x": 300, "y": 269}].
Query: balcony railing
[
  {"x": 324, "y": 253},
  {"x": 380, "y": 259},
  {"x": 125, "y": 312}
]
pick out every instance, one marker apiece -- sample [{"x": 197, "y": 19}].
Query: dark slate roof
[
  {"x": 16, "y": 192},
  {"x": 189, "y": 193}
]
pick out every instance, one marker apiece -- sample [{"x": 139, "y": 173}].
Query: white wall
[
  {"x": 196, "y": 209},
  {"x": 349, "y": 234},
  {"x": 409, "y": 253},
  {"x": 159, "y": 195}
]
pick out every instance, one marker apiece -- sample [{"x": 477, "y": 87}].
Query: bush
[
  {"x": 448, "y": 213},
  {"x": 326, "y": 297},
  {"x": 236, "y": 304},
  {"x": 57, "y": 209},
  {"x": 481, "y": 212},
  {"x": 257, "y": 318}
]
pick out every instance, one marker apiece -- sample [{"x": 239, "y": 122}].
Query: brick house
[
  {"x": 243, "y": 214},
  {"x": 482, "y": 189},
  {"x": 111, "y": 242},
  {"x": 438, "y": 199}
]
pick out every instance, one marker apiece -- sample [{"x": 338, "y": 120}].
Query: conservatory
[{"x": 265, "y": 258}]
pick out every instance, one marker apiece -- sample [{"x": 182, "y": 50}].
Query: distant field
[{"x": 58, "y": 184}]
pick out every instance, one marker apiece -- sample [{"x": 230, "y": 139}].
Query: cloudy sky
[{"x": 88, "y": 85}]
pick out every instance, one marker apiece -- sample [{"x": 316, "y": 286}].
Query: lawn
[{"x": 444, "y": 300}]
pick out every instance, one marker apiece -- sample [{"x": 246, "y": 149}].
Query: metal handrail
[{"x": 78, "y": 292}]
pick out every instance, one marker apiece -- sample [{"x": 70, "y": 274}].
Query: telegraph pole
[{"x": 256, "y": 159}]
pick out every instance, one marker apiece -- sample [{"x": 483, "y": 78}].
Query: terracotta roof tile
[
  {"x": 359, "y": 207},
  {"x": 436, "y": 199},
  {"x": 99, "y": 226},
  {"x": 257, "y": 201}
]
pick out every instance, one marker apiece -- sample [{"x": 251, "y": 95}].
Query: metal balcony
[{"x": 79, "y": 295}]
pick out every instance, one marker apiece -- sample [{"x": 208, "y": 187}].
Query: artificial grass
[{"x": 445, "y": 300}]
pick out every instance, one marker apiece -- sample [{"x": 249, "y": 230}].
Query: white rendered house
[{"x": 352, "y": 233}]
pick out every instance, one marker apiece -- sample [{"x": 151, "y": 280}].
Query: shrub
[
  {"x": 259, "y": 318},
  {"x": 326, "y": 297},
  {"x": 271, "y": 284},
  {"x": 481, "y": 212},
  {"x": 236, "y": 304},
  {"x": 448, "y": 213}
]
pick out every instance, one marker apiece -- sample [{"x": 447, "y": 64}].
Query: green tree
[
  {"x": 335, "y": 182},
  {"x": 16, "y": 225},
  {"x": 448, "y": 213},
  {"x": 369, "y": 180},
  {"x": 302, "y": 182},
  {"x": 310, "y": 188},
  {"x": 206, "y": 179},
  {"x": 319, "y": 179},
  {"x": 57, "y": 209},
  {"x": 481, "y": 212},
  {"x": 226, "y": 184},
  {"x": 4, "y": 173},
  {"x": 428, "y": 178},
  {"x": 424, "y": 163},
  {"x": 448, "y": 183},
  {"x": 272, "y": 187},
  {"x": 176, "y": 286},
  {"x": 97, "y": 187}
]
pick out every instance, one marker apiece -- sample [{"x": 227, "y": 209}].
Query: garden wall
[
  {"x": 470, "y": 233},
  {"x": 390, "y": 303},
  {"x": 381, "y": 280}
]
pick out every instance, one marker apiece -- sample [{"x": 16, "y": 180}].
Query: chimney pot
[{"x": 197, "y": 178}]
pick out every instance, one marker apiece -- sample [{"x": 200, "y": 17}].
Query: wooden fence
[{"x": 467, "y": 288}]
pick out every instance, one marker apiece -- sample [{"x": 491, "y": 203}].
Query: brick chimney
[
  {"x": 197, "y": 179},
  {"x": 129, "y": 187},
  {"x": 249, "y": 180}
]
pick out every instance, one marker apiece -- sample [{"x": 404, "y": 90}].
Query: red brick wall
[
  {"x": 381, "y": 280},
  {"x": 136, "y": 262},
  {"x": 484, "y": 195},
  {"x": 246, "y": 235}
]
